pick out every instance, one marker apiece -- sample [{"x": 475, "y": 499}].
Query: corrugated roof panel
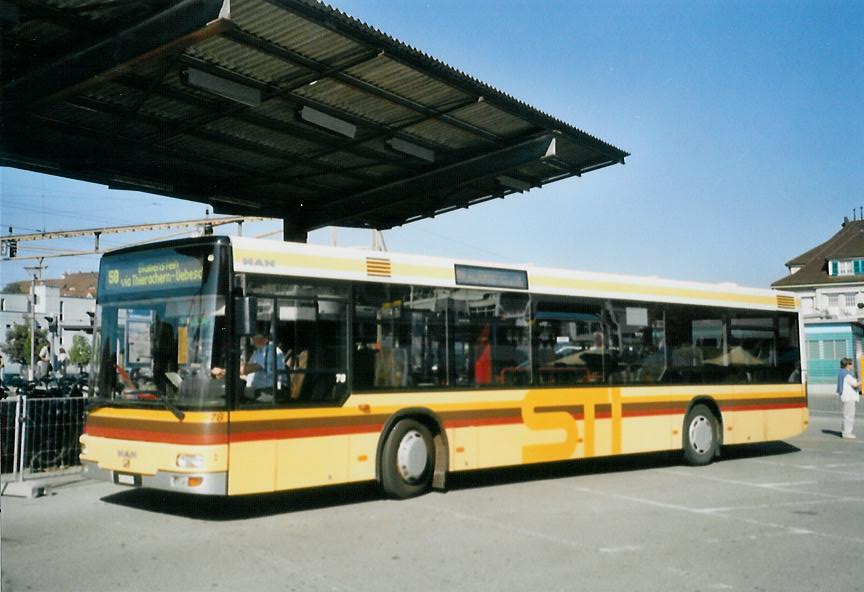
[
  {"x": 117, "y": 94},
  {"x": 347, "y": 161},
  {"x": 278, "y": 109},
  {"x": 291, "y": 142},
  {"x": 77, "y": 116},
  {"x": 284, "y": 28},
  {"x": 255, "y": 134},
  {"x": 350, "y": 100},
  {"x": 494, "y": 120},
  {"x": 191, "y": 95},
  {"x": 409, "y": 83},
  {"x": 244, "y": 60},
  {"x": 444, "y": 134},
  {"x": 143, "y": 103},
  {"x": 228, "y": 153}
]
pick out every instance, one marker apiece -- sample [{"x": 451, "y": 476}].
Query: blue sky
[{"x": 745, "y": 121}]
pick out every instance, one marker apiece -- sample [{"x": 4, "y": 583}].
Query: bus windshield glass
[{"x": 160, "y": 324}]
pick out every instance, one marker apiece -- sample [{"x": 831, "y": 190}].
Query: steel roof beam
[
  {"x": 271, "y": 91},
  {"x": 287, "y": 55},
  {"x": 268, "y": 91},
  {"x": 173, "y": 29},
  {"x": 179, "y": 184},
  {"x": 179, "y": 129},
  {"x": 123, "y": 114},
  {"x": 295, "y": 130},
  {"x": 65, "y": 19},
  {"x": 447, "y": 177}
]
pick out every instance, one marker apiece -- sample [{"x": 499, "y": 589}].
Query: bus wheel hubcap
[
  {"x": 701, "y": 434},
  {"x": 412, "y": 456}
]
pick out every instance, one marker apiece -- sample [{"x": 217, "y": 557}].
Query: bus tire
[
  {"x": 407, "y": 460},
  {"x": 701, "y": 435}
]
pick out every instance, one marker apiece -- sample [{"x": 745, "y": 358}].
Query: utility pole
[{"x": 37, "y": 271}]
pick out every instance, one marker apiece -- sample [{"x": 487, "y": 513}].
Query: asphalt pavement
[{"x": 777, "y": 516}]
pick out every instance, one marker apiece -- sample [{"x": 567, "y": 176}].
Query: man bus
[{"x": 401, "y": 368}]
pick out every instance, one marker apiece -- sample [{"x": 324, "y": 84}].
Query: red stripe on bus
[
  {"x": 469, "y": 422},
  {"x": 317, "y": 432},
  {"x": 154, "y": 436},
  {"x": 766, "y": 407},
  {"x": 250, "y": 434}
]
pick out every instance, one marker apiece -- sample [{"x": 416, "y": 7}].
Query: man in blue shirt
[{"x": 258, "y": 371}]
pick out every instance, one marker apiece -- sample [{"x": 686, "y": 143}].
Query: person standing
[
  {"x": 847, "y": 388},
  {"x": 44, "y": 364},
  {"x": 62, "y": 361}
]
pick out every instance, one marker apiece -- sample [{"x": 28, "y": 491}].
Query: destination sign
[
  {"x": 492, "y": 277},
  {"x": 169, "y": 272}
]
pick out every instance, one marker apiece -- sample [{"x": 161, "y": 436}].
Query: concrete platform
[{"x": 38, "y": 487}]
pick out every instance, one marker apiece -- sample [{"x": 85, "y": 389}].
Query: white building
[
  {"x": 829, "y": 279},
  {"x": 70, "y": 313}
]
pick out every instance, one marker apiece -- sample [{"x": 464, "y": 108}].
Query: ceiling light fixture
[
  {"x": 223, "y": 87},
  {"x": 411, "y": 149},
  {"x": 328, "y": 122}
]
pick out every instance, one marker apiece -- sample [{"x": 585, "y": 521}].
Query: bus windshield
[{"x": 160, "y": 325}]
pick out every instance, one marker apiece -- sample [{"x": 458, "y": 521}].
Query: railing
[{"x": 38, "y": 435}]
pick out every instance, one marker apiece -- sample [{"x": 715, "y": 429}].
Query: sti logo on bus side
[{"x": 259, "y": 262}]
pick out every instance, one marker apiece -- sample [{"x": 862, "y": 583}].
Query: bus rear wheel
[
  {"x": 408, "y": 460},
  {"x": 701, "y": 435}
]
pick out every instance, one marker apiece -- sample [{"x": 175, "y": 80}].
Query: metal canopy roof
[{"x": 282, "y": 108}]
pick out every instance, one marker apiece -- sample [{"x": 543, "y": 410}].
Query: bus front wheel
[
  {"x": 701, "y": 435},
  {"x": 408, "y": 460}
]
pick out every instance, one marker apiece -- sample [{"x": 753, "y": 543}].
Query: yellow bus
[{"x": 231, "y": 366}]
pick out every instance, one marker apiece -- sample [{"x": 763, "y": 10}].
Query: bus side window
[
  {"x": 312, "y": 333},
  {"x": 636, "y": 333}
]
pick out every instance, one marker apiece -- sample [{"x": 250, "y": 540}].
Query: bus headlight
[{"x": 190, "y": 461}]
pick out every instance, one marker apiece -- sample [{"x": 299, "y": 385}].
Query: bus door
[
  {"x": 313, "y": 447},
  {"x": 252, "y": 452}
]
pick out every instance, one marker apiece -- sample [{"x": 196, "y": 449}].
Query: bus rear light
[{"x": 183, "y": 481}]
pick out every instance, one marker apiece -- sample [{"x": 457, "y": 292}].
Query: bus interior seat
[{"x": 391, "y": 367}]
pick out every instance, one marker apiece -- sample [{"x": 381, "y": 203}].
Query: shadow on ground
[
  {"x": 595, "y": 466},
  {"x": 216, "y": 508},
  {"x": 213, "y": 508}
]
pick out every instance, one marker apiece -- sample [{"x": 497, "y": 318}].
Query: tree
[
  {"x": 80, "y": 352},
  {"x": 17, "y": 288},
  {"x": 18, "y": 342}
]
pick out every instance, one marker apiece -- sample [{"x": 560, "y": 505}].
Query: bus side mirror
[{"x": 245, "y": 315}]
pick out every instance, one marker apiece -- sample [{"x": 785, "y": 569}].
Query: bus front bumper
[{"x": 198, "y": 483}]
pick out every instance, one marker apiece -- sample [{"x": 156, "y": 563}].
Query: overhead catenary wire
[{"x": 97, "y": 233}]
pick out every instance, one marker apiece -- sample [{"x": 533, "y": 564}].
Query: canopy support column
[{"x": 293, "y": 233}]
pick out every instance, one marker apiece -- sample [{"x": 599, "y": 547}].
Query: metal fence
[{"x": 38, "y": 435}]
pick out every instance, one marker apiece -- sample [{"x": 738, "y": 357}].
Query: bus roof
[{"x": 355, "y": 264}]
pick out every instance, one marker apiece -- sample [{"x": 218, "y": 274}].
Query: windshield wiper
[{"x": 171, "y": 407}]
